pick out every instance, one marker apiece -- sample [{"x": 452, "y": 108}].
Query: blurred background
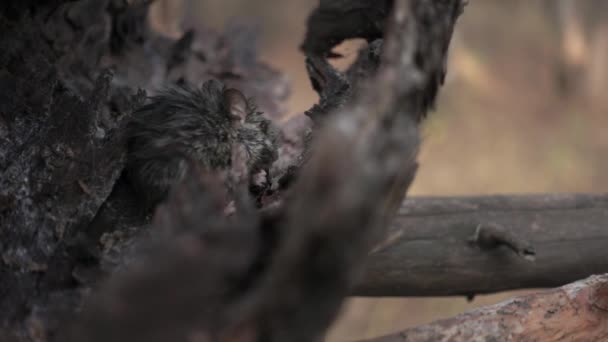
[{"x": 523, "y": 111}]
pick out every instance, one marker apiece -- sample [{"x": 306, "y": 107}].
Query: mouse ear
[{"x": 236, "y": 103}]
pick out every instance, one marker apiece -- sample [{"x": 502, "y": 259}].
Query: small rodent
[{"x": 183, "y": 124}]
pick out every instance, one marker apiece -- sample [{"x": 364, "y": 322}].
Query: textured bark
[
  {"x": 70, "y": 75},
  {"x": 430, "y": 248},
  {"x": 575, "y": 312}
]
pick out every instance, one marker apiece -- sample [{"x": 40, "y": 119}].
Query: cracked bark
[{"x": 575, "y": 312}]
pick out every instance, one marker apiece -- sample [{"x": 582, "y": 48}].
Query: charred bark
[{"x": 71, "y": 72}]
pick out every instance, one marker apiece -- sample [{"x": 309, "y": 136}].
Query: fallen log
[{"x": 431, "y": 250}]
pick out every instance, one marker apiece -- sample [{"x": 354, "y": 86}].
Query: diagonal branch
[
  {"x": 575, "y": 312},
  {"x": 363, "y": 162}
]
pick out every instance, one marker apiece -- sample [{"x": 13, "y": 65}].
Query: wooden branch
[
  {"x": 575, "y": 312},
  {"x": 429, "y": 250},
  {"x": 363, "y": 158}
]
